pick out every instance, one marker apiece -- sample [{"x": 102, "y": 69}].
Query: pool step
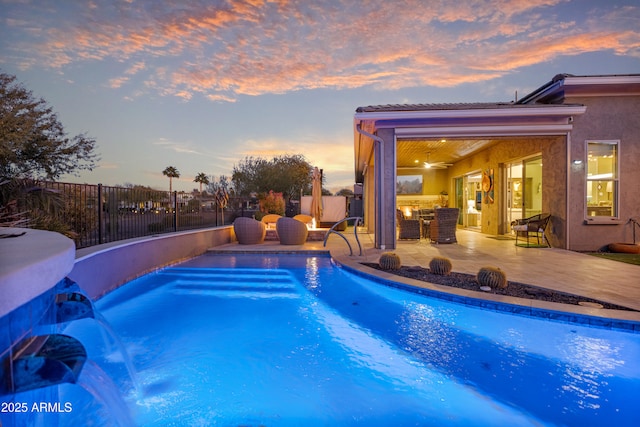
[{"x": 233, "y": 282}]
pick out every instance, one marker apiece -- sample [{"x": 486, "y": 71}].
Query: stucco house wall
[{"x": 606, "y": 118}]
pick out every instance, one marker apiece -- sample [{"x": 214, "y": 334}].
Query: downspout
[
  {"x": 379, "y": 172},
  {"x": 568, "y": 193}
]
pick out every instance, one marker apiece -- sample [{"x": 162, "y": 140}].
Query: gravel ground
[{"x": 514, "y": 289}]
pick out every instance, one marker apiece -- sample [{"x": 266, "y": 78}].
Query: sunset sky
[{"x": 200, "y": 85}]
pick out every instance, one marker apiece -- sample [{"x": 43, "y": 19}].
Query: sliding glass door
[
  {"x": 532, "y": 181},
  {"x": 524, "y": 188},
  {"x": 469, "y": 200}
]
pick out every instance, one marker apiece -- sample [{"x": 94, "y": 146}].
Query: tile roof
[
  {"x": 449, "y": 106},
  {"x": 522, "y": 103}
]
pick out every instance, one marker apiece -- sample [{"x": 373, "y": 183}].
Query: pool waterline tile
[{"x": 499, "y": 303}]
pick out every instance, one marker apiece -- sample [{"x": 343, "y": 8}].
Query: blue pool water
[{"x": 246, "y": 340}]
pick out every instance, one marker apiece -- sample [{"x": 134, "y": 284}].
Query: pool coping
[
  {"x": 622, "y": 320},
  {"x": 32, "y": 262}
]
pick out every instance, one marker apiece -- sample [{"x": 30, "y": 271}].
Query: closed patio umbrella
[{"x": 316, "y": 196}]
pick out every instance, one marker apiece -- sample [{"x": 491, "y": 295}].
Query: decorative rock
[
  {"x": 590, "y": 304},
  {"x": 538, "y": 292}
]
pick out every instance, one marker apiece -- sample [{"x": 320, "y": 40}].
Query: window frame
[{"x": 615, "y": 179}]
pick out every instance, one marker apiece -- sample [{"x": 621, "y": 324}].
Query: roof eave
[
  {"x": 564, "y": 85},
  {"x": 543, "y": 110}
]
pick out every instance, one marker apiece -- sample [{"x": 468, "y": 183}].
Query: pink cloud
[
  {"x": 255, "y": 47},
  {"x": 117, "y": 82}
]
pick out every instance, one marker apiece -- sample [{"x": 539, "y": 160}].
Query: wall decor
[
  {"x": 409, "y": 184},
  {"x": 488, "y": 186}
]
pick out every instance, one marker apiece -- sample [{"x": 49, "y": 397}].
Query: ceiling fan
[
  {"x": 427, "y": 165},
  {"x": 435, "y": 165}
]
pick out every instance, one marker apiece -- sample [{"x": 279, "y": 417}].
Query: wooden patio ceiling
[{"x": 412, "y": 153}]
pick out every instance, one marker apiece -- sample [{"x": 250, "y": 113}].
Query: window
[{"x": 602, "y": 178}]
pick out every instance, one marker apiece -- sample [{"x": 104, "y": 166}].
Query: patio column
[{"x": 385, "y": 200}]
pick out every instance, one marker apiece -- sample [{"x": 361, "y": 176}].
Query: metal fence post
[
  {"x": 175, "y": 211},
  {"x": 99, "y": 213}
]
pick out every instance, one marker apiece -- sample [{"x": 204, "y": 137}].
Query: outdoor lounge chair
[
  {"x": 407, "y": 228},
  {"x": 534, "y": 225},
  {"x": 270, "y": 220},
  {"x": 291, "y": 231},
  {"x": 307, "y": 219},
  {"x": 442, "y": 229},
  {"x": 249, "y": 231}
]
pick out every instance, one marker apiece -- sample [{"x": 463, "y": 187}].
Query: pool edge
[{"x": 621, "y": 320}]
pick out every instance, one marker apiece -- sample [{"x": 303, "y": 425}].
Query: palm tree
[
  {"x": 201, "y": 178},
  {"x": 171, "y": 172}
]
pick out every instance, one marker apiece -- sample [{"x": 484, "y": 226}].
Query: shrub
[
  {"x": 272, "y": 203},
  {"x": 389, "y": 261},
  {"x": 440, "y": 266},
  {"x": 492, "y": 277}
]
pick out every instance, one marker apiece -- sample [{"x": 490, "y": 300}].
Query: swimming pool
[{"x": 246, "y": 340}]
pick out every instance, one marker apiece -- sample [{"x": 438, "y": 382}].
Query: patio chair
[
  {"x": 249, "y": 231},
  {"x": 307, "y": 219},
  {"x": 291, "y": 231},
  {"x": 534, "y": 225},
  {"x": 270, "y": 220},
  {"x": 426, "y": 216},
  {"x": 407, "y": 228},
  {"x": 442, "y": 229}
]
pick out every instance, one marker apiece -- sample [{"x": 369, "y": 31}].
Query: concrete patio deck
[{"x": 550, "y": 268}]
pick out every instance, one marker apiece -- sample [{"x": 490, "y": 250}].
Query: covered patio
[
  {"x": 450, "y": 149},
  {"x": 569, "y": 149}
]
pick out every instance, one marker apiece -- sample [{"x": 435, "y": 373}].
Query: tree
[
  {"x": 171, "y": 172},
  {"x": 247, "y": 174},
  {"x": 139, "y": 193},
  {"x": 289, "y": 175},
  {"x": 201, "y": 179},
  {"x": 294, "y": 175},
  {"x": 222, "y": 183},
  {"x": 33, "y": 143}
]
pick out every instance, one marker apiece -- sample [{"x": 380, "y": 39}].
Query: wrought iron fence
[{"x": 99, "y": 214}]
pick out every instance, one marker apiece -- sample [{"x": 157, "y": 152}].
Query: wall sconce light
[{"x": 577, "y": 162}]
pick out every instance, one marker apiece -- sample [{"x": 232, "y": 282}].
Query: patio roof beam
[{"x": 483, "y": 131}]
